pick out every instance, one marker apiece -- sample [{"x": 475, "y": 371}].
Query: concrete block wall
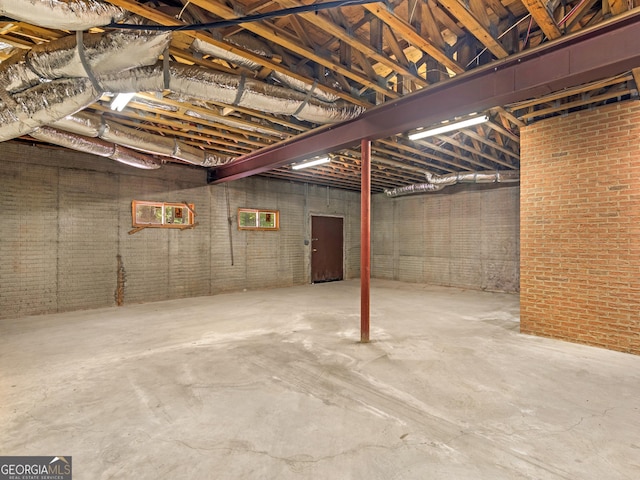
[
  {"x": 464, "y": 236},
  {"x": 66, "y": 218},
  {"x": 581, "y": 227}
]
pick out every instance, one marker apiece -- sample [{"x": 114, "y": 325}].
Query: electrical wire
[
  {"x": 248, "y": 19},
  {"x": 526, "y": 39},
  {"x": 499, "y": 37},
  {"x": 568, "y": 15}
]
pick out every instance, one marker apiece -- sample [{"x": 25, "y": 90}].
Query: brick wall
[
  {"x": 464, "y": 236},
  {"x": 580, "y": 228},
  {"x": 66, "y": 217}
]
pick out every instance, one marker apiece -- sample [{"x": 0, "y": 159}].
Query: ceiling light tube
[
  {"x": 311, "y": 163},
  {"x": 121, "y": 101},
  {"x": 449, "y": 127}
]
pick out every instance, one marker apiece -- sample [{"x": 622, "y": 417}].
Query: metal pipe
[{"x": 365, "y": 240}]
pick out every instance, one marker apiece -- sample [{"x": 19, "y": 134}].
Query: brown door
[{"x": 326, "y": 249}]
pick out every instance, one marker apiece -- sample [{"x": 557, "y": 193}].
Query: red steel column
[{"x": 365, "y": 239}]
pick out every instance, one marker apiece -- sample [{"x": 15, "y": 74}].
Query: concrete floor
[{"x": 274, "y": 385}]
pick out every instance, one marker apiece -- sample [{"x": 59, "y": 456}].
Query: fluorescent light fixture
[
  {"x": 121, "y": 101},
  {"x": 311, "y": 163},
  {"x": 448, "y": 127}
]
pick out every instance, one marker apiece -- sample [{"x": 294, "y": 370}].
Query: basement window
[
  {"x": 162, "y": 215},
  {"x": 258, "y": 219}
]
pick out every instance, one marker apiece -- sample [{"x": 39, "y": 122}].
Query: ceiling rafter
[
  {"x": 494, "y": 145},
  {"x": 395, "y": 47},
  {"x": 544, "y": 19},
  {"x": 341, "y": 34},
  {"x": 430, "y": 26},
  {"x": 403, "y": 28},
  {"x": 164, "y": 19},
  {"x": 415, "y": 154},
  {"x": 482, "y": 156},
  {"x": 616, "y": 7},
  {"x": 582, "y": 9},
  {"x": 268, "y": 31},
  {"x": 589, "y": 100},
  {"x": 475, "y": 27},
  {"x": 364, "y": 59}
]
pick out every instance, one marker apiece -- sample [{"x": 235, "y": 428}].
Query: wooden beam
[
  {"x": 544, "y": 19},
  {"x": 581, "y": 10},
  {"x": 573, "y": 91},
  {"x": 616, "y": 7},
  {"x": 482, "y": 155},
  {"x": 508, "y": 118},
  {"x": 163, "y": 19},
  {"x": 267, "y": 30},
  {"x": 430, "y": 27},
  {"x": 407, "y": 32},
  {"x": 498, "y": 8},
  {"x": 376, "y": 38},
  {"x": 345, "y": 37},
  {"x": 636, "y": 77},
  {"x": 469, "y": 132},
  {"x": 396, "y": 49},
  {"x": 301, "y": 32},
  {"x": 605, "y": 51},
  {"x": 444, "y": 18},
  {"x": 504, "y": 130},
  {"x": 421, "y": 153},
  {"x": 363, "y": 61},
  {"x": 479, "y": 10},
  {"x": 475, "y": 26},
  {"x": 577, "y": 103}
]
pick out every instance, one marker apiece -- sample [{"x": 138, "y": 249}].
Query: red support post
[{"x": 365, "y": 239}]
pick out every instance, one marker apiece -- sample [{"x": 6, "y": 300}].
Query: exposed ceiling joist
[
  {"x": 475, "y": 26},
  {"x": 344, "y": 52},
  {"x": 594, "y": 54},
  {"x": 403, "y": 28},
  {"x": 280, "y": 37},
  {"x": 542, "y": 16}
]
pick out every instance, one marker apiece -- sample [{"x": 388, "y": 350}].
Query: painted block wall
[
  {"x": 580, "y": 231},
  {"x": 66, "y": 217},
  {"x": 464, "y": 236}
]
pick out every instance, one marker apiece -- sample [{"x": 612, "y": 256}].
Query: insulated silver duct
[
  {"x": 244, "y": 92},
  {"x": 95, "y": 147},
  {"x": 62, "y": 14},
  {"x": 438, "y": 182},
  {"x": 22, "y": 109},
  {"x": 104, "y": 52},
  {"x": 52, "y": 81},
  {"x": 52, "y": 101},
  {"x": 89, "y": 125},
  {"x": 411, "y": 189},
  {"x": 258, "y": 47},
  {"x": 501, "y": 176},
  {"x": 23, "y": 112}
]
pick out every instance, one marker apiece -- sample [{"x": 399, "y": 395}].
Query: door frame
[{"x": 344, "y": 250}]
